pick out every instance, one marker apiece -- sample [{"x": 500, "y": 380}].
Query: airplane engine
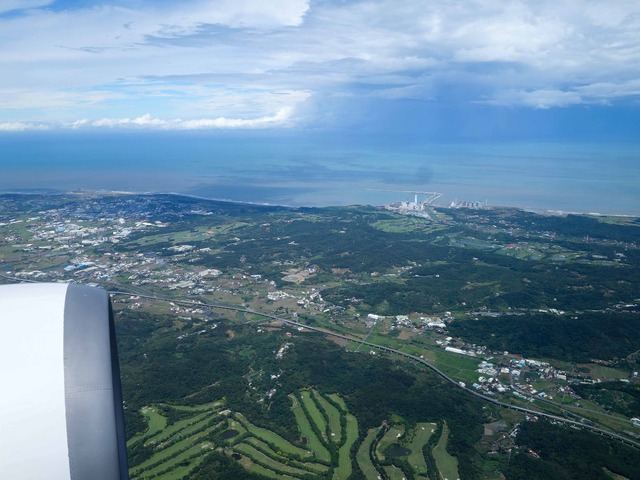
[{"x": 61, "y": 412}]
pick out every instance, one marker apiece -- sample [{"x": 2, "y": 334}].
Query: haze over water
[
  {"x": 318, "y": 170},
  {"x": 533, "y": 104}
]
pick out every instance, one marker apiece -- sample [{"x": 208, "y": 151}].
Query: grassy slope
[{"x": 447, "y": 464}]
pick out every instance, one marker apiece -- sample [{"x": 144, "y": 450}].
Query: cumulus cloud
[
  {"x": 146, "y": 121},
  {"x": 22, "y": 126},
  {"x": 191, "y": 58}
]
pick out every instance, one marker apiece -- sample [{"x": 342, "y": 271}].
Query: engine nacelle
[{"x": 61, "y": 413}]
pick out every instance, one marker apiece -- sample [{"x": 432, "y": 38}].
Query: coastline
[{"x": 57, "y": 192}]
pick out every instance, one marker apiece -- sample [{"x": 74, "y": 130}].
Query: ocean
[{"x": 325, "y": 169}]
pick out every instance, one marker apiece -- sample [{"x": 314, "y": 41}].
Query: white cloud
[
  {"x": 17, "y": 99},
  {"x": 12, "y": 5},
  {"x": 609, "y": 14},
  {"x": 191, "y": 58},
  {"x": 142, "y": 121},
  {"x": 279, "y": 118},
  {"x": 146, "y": 121},
  {"x": 245, "y": 13},
  {"x": 609, "y": 90},
  {"x": 597, "y": 93},
  {"x": 539, "y": 99},
  {"x": 21, "y": 126}
]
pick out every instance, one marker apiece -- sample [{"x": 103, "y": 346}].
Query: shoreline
[{"x": 538, "y": 211}]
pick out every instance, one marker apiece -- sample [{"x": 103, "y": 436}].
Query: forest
[
  {"x": 565, "y": 453},
  {"x": 582, "y": 338},
  {"x": 156, "y": 367}
]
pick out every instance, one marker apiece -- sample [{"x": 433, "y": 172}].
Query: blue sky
[{"x": 439, "y": 69}]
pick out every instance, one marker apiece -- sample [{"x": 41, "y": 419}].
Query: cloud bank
[
  {"x": 198, "y": 64},
  {"x": 147, "y": 121}
]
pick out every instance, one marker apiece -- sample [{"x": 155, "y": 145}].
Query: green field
[
  {"x": 177, "y": 449},
  {"x": 277, "y": 460},
  {"x": 314, "y": 411},
  {"x": 604, "y": 373},
  {"x": 419, "y": 438},
  {"x": 195, "y": 408},
  {"x": 461, "y": 367},
  {"x": 177, "y": 427},
  {"x": 234, "y": 425},
  {"x": 333, "y": 414},
  {"x": 155, "y": 421},
  {"x": 316, "y": 404},
  {"x": 265, "y": 448},
  {"x": 197, "y": 234},
  {"x": 313, "y": 442},
  {"x": 339, "y": 400},
  {"x": 343, "y": 471},
  {"x": 250, "y": 465},
  {"x": 185, "y": 467},
  {"x": 272, "y": 438},
  {"x": 446, "y": 463},
  {"x": 372, "y": 458},
  {"x": 363, "y": 458},
  {"x": 392, "y": 436},
  {"x": 179, "y": 464},
  {"x": 173, "y": 450},
  {"x": 262, "y": 459},
  {"x": 406, "y": 224},
  {"x": 394, "y": 473}
]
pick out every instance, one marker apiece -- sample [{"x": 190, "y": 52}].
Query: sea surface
[{"x": 325, "y": 169}]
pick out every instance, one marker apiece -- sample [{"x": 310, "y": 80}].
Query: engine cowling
[{"x": 61, "y": 413}]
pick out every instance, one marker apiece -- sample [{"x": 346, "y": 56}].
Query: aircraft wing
[{"x": 61, "y": 414}]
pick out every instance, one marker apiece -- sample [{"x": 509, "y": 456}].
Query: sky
[
  {"x": 443, "y": 70},
  {"x": 529, "y": 103}
]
